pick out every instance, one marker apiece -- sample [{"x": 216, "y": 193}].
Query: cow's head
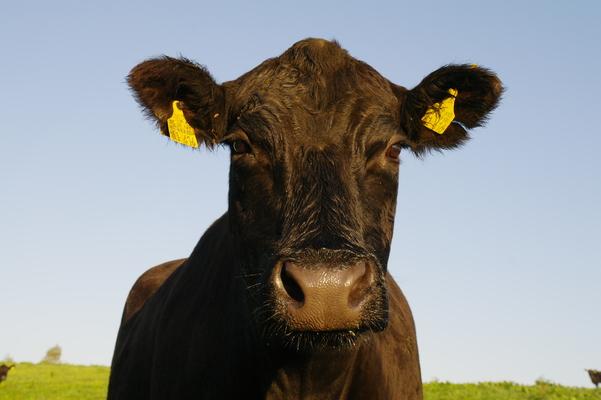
[{"x": 315, "y": 137}]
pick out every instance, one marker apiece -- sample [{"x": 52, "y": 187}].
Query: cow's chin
[
  {"x": 318, "y": 342},
  {"x": 279, "y": 335}
]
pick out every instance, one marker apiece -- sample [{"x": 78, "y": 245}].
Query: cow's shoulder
[{"x": 147, "y": 284}]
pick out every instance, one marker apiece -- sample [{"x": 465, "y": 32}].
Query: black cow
[
  {"x": 595, "y": 376},
  {"x": 287, "y": 295},
  {"x": 4, "y": 371}
]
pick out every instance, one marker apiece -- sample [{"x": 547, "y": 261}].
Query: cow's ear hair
[
  {"x": 180, "y": 96},
  {"x": 437, "y": 113}
]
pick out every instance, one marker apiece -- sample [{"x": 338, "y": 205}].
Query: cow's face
[{"x": 315, "y": 137}]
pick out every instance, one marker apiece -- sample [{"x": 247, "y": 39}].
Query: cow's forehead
[
  {"x": 317, "y": 88},
  {"x": 319, "y": 73}
]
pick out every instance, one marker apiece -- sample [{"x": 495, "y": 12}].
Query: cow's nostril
[
  {"x": 361, "y": 285},
  {"x": 291, "y": 287}
]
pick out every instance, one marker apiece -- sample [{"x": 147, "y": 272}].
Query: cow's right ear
[{"x": 182, "y": 97}]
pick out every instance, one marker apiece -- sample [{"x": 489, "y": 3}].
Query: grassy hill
[
  {"x": 542, "y": 390},
  {"x": 53, "y": 382},
  {"x": 73, "y": 382}
]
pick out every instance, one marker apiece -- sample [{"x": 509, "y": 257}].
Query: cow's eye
[
  {"x": 394, "y": 152},
  {"x": 239, "y": 146}
]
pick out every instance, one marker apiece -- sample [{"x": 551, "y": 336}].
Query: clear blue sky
[{"x": 496, "y": 245}]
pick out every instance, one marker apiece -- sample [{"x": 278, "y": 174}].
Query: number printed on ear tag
[
  {"x": 440, "y": 115},
  {"x": 180, "y": 130}
]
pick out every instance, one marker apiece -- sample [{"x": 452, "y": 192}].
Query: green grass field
[
  {"x": 53, "y": 382},
  {"x": 74, "y": 382}
]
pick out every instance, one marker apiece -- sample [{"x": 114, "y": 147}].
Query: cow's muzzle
[{"x": 323, "y": 297}]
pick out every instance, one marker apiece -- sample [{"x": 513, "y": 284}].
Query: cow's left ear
[
  {"x": 437, "y": 113},
  {"x": 182, "y": 97}
]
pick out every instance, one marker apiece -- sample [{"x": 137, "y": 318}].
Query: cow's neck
[{"x": 319, "y": 376}]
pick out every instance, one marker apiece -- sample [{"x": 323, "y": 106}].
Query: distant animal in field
[
  {"x": 595, "y": 376},
  {"x": 4, "y": 371}
]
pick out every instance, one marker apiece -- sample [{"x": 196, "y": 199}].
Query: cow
[
  {"x": 595, "y": 376},
  {"x": 4, "y": 371},
  {"x": 288, "y": 294}
]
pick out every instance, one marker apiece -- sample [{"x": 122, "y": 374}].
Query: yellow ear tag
[
  {"x": 179, "y": 129},
  {"x": 440, "y": 115}
]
